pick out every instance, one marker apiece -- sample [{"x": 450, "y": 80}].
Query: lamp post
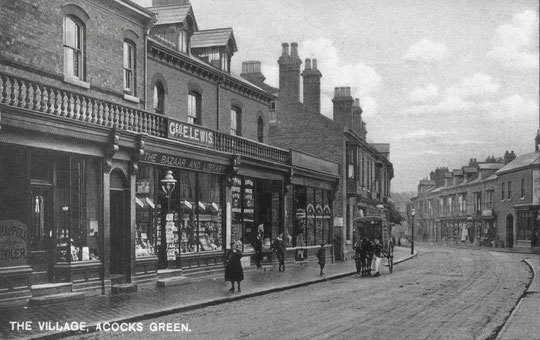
[
  {"x": 413, "y": 212},
  {"x": 167, "y": 185}
]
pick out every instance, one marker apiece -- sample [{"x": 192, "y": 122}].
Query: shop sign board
[
  {"x": 183, "y": 162},
  {"x": 190, "y": 133},
  {"x": 13, "y": 243}
]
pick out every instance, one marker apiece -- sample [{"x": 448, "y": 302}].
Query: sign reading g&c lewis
[
  {"x": 190, "y": 133},
  {"x": 13, "y": 243}
]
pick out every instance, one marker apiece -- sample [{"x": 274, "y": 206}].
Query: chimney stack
[
  {"x": 251, "y": 71},
  {"x": 312, "y": 85},
  {"x": 289, "y": 73},
  {"x": 343, "y": 106}
]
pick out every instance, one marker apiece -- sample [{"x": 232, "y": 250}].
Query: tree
[{"x": 394, "y": 215}]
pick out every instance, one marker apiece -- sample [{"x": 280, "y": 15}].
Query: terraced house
[
  {"x": 129, "y": 152},
  {"x": 493, "y": 203}
]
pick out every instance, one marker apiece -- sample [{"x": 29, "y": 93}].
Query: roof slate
[
  {"x": 212, "y": 38},
  {"x": 521, "y": 161}
]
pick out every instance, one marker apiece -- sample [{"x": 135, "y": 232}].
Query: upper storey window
[
  {"x": 184, "y": 38},
  {"x": 73, "y": 48},
  {"x": 129, "y": 67},
  {"x": 236, "y": 118},
  {"x": 194, "y": 108},
  {"x": 159, "y": 98}
]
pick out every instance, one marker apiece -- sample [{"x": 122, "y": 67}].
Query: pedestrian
[
  {"x": 279, "y": 247},
  {"x": 258, "y": 250},
  {"x": 357, "y": 256},
  {"x": 367, "y": 248},
  {"x": 321, "y": 255},
  {"x": 233, "y": 266},
  {"x": 377, "y": 257}
]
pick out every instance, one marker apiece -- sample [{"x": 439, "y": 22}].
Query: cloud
[
  {"x": 363, "y": 79},
  {"x": 450, "y": 104},
  {"x": 426, "y": 134},
  {"x": 510, "y": 108},
  {"x": 424, "y": 94},
  {"x": 426, "y": 51},
  {"x": 514, "y": 45},
  {"x": 479, "y": 85}
]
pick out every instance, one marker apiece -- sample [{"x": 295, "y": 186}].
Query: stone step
[
  {"x": 51, "y": 289},
  {"x": 124, "y": 288},
  {"x": 173, "y": 281},
  {"x": 168, "y": 273},
  {"x": 55, "y": 298}
]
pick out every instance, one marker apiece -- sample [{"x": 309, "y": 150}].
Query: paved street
[{"x": 445, "y": 293}]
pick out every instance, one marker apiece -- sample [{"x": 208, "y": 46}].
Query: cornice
[{"x": 184, "y": 63}]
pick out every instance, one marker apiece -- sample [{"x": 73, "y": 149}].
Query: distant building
[{"x": 492, "y": 203}]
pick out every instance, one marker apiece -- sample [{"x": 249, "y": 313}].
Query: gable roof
[
  {"x": 522, "y": 161},
  {"x": 173, "y": 14},
  {"x": 213, "y": 38}
]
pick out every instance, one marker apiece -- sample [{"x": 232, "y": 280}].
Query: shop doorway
[
  {"x": 509, "y": 231},
  {"x": 120, "y": 254},
  {"x": 43, "y": 236}
]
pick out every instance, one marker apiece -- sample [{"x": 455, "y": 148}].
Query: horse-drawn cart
[{"x": 370, "y": 228}]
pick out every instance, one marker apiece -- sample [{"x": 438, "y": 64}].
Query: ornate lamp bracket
[{"x": 112, "y": 148}]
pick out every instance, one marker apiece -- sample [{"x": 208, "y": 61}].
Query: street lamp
[
  {"x": 413, "y": 212},
  {"x": 167, "y": 185}
]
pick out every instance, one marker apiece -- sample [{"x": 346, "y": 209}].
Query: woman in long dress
[{"x": 233, "y": 266}]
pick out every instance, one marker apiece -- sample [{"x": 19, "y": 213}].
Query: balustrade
[
  {"x": 29, "y": 95},
  {"x": 53, "y": 101}
]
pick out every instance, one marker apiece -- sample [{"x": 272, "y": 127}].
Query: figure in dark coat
[
  {"x": 233, "y": 266},
  {"x": 367, "y": 246},
  {"x": 258, "y": 250},
  {"x": 279, "y": 247},
  {"x": 321, "y": 255}
]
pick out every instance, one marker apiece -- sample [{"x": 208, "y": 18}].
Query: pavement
[{"x": 63, "y": 319}]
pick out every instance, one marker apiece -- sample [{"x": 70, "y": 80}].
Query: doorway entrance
[
  {"x": 42, "y": 246},
  {"x": 509, "y": 231},
  {"x": 120, "y": 254}
]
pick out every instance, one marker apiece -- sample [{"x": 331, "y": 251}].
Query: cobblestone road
[{"x": 444, "y": 293}]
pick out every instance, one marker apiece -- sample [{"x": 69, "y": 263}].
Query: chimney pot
[
  {"x": 308, "y": 64},
  {"x": 294, "y": 49},
  {"x": 314, "y": 63},
  {"x": 285, "y": 50}
]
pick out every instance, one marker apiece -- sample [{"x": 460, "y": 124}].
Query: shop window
[
  {"x": 243, "y": 226},
  {"x": 78, "y": 209},
  {"x": 524, "y": 226},
  {"x": 145, "y": 210}
]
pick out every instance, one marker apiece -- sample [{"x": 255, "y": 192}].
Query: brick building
[
  {"x": 492, "y": 203},
  {"x": 129, "y": 153},
  {"x": 365, "y": 168}
]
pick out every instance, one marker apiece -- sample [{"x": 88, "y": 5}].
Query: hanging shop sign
[
  {"x": 190, "y": 133},
  {"x": 183, "y": 162},
  {"x": 13, "y": 243}
]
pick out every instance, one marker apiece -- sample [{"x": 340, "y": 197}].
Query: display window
[
  {"x": 189, "y": 221},
  {"x": 243, "y": 226},
  {"x": 77, "y": 208},
  {"x": 312, "y": 218}
]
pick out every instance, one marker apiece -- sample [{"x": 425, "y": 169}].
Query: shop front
[
  {"x": 179, "y": 211},
  {"x": 51, "y": 216}
]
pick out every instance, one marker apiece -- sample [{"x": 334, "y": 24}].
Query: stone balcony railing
[{"x": 52, "y": 101}]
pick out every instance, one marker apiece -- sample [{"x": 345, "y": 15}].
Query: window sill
[
  {"x": 76, "y": 81},
  {"x": 131, "y": 98}
]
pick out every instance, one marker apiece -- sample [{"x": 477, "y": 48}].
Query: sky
[{"x": 442, "y": 81}]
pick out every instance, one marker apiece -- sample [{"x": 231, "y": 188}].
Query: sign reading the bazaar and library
[
  {"x": 13, "y": 243},
  {"x": 190, "y": 133},
  {"x": 183, "y": 162}
]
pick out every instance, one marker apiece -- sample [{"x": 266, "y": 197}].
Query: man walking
[
  {"x": 377, "y": 257},
  {"x": 279, "y": 247}
]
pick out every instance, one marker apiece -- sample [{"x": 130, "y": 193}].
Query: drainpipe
[{"x": 218, "y": 102}]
